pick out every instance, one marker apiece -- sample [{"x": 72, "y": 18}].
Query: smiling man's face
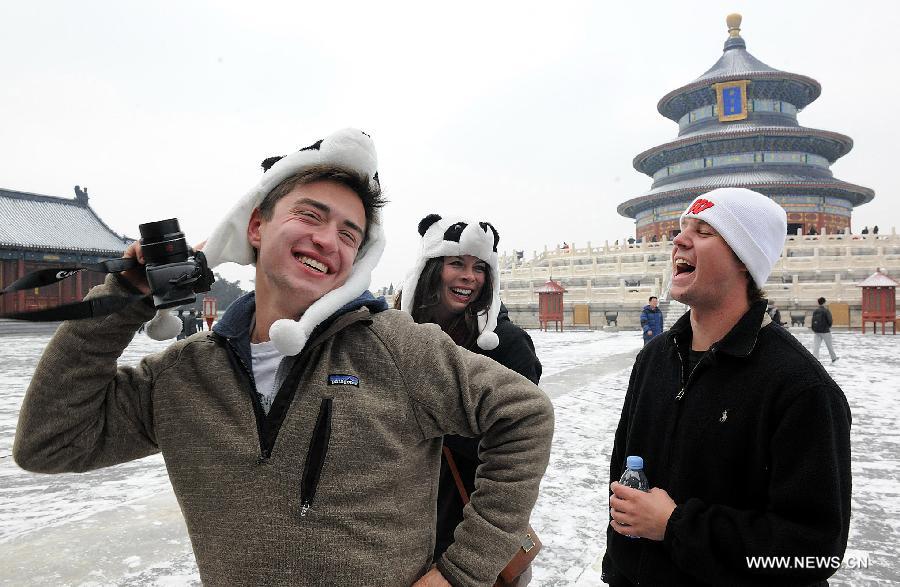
[{"x": 308, "y": 246}]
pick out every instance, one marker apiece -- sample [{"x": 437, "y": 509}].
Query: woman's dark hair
[{"x": 427, "y": 299}]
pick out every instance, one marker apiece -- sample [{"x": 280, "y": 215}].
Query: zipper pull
[
  {"x": 304, "y": 507},
  {"x": 680, "y": 395}
]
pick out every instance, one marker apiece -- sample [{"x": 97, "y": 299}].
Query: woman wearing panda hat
[{"x": 456, "y": 285}]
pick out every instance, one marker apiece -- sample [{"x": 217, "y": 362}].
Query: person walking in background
[
  {"x": 774, "y": 313},
  {"x": 821, "y": 327},
  {"x": 192, "y": 324},
  {"x": 184, "y": 326},
  {"x": 651, "y": 320}
]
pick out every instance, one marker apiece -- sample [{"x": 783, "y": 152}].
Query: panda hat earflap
[
  {"x": 455, "y": 237},
  {"x": 348, "y": 149}
]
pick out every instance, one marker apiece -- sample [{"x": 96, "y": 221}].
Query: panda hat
[
  {"x": 454, "y": 237},
  {"x": 349, "y": 149}
]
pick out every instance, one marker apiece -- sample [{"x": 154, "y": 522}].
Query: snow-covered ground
[{"x": 122, "y": 526}]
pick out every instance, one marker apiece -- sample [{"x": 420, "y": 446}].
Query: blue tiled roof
[
  {"x": 34, "y": 221},
  {"x": 759, "y": 179},
  {"x": 737, "y": 63},
  {"x": 725, "y": 139}
]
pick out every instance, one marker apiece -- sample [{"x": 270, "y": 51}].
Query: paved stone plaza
[{"x": 122, "y": 526}]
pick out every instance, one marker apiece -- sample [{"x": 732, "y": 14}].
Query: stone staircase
[{"x": 672, "y": 311}]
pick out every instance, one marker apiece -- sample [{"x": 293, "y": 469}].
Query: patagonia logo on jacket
[{"x": 343, "y": 380}]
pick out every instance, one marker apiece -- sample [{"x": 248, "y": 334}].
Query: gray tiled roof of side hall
[{"x": 36, "y": 221}]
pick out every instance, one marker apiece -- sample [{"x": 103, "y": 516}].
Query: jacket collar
[
  {"x": 739, "y": 341},
  {"x": 235, "y": 324}
]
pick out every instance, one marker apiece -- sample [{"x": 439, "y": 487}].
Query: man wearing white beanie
[
  {"x": 302, "y": 436},
  {"x": 744, "y": 436}
]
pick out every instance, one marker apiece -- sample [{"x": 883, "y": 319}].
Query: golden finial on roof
[{"x": 734, "y": 24}]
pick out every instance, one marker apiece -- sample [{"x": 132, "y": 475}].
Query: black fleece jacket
[
  {"x": 754, "y": 447},
  {"x": 516, "y": 352}
]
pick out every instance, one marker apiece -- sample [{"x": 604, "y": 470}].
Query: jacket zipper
[
  {"x": 264, "y": 452},
  {"x": 686, "y": 382},
  {"x": 315, "y": 458}
]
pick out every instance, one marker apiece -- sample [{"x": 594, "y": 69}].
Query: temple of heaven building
[{"x": 737, "y": 127}]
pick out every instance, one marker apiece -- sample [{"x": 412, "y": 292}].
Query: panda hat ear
[
  {"x": 268, "y": 162},
  {"x": 487, "y": 225},
  {"x": 426, "y": 223},
  {"x": 456, "y": 237}
]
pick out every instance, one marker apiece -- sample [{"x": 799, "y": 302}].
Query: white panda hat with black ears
[
  {"x": 349, "y": 149},
  {"x": 455, "y": 237}
]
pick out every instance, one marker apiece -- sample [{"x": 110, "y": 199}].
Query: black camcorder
[{"x": 174, "y": 271}]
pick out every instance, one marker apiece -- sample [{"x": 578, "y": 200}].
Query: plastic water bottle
[{"x": 634, "y": 476}]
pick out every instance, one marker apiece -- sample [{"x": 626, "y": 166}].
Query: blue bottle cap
[{"x": 634, "y": 463}]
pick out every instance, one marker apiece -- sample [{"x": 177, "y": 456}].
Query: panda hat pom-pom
[
  {"x": 455, "y": 237},
  {"x": 163, "y": 326},
  {"x": 349, "y": 149}
]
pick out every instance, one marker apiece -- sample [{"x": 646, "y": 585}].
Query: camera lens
[{"x": 163, "y": 242}]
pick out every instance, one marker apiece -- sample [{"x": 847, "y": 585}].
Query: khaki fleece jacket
[{"x": 363, "y": 459}]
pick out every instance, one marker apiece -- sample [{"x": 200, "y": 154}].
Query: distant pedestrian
[
  {"x": 188, "y": 324},
  {"x": 821, "y": 327},
  {"x": 651, "y": 319},
  {"x": 812, "y": 230},
  {"x": 774, "y": 314},
  {"x": 183, "y": 319},
  {"x": 875, "y": 229},
  {"x": 865, "y": 230}
]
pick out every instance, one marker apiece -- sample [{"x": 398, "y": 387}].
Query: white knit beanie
[
  {"x": 752, "y": 224},
  {"x": 348, "y": 149},
  {"x": 455, "y": 237}
]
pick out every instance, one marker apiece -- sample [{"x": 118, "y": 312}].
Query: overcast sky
[{"x": 524, "y": 114}]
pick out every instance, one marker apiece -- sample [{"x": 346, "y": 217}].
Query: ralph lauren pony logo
[{"x": 343, "y": 380}]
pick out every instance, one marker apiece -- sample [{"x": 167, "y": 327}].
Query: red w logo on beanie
[{"x": 700, "y": 206}]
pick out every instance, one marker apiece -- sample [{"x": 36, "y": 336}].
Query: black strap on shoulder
[
  {"x": 43, "y": 277},
  {"x": 93, "y": 308}
]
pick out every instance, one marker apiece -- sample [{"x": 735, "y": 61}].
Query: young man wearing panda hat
[{"x": 302, "y": 436}]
